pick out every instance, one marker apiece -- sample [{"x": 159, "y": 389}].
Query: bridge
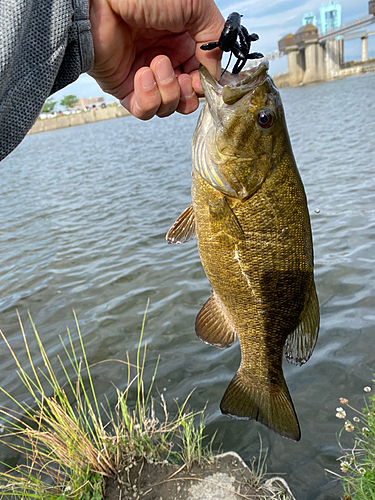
[{"x": 313, "y": 57}]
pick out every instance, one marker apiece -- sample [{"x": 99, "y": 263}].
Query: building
[
  {"x": 330, "y": 17},
  {"x": 308, "y": 32},
  {"x": 83, "y": 102},
  {"x": 371, "y": 7},
  {"x": 285, "y": 42}
]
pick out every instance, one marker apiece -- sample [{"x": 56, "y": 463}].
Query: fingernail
[
  {"x": 196, "y": 83},
  {"x": 186, "y": 90},
  {"x": 164, "y": 70},
  {"x": 147, "y": 79}
]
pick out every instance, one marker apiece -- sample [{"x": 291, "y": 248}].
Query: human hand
[{"x": 147, "y": 52}]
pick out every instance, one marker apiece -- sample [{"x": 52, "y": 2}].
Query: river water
[{"x": 84, "y": 212}]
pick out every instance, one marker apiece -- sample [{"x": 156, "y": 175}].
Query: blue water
[{"x": 84, "y": 213}]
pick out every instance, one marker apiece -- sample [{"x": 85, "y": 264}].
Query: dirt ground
[{"x": 228, "y": 478}]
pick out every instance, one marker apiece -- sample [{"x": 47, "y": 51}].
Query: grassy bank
[
  {"x": 75, "y": 448},
  {"x": 72, "y": 446}
]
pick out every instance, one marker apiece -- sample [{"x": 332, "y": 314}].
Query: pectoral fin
[
  {"x": 224, "y": 221},
  {"x": 300, "y": 344},
  {"x": 183, "y": 229},
  {"x": 212, "y": 324}
]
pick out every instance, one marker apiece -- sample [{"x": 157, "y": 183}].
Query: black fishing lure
[{"x": 235, "y": 39}]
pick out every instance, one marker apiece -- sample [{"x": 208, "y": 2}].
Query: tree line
[{"x": 67, "y": 101}]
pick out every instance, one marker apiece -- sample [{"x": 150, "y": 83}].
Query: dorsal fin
[
  {"x": 300, "y": 344},
  {"x": 212, "y": 324},
  {"x": 183, "y": 229}
]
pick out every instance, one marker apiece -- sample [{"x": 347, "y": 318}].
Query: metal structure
[
  {"x": 309, "y": 18},
  {"x": 313, "y": 57},
  {"x": 355, "y": 25},
  {"x": 358, "y": 34},
  {"x": 330, "y": 17}
]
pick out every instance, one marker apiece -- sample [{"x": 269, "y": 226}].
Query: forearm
[{"x": 45, "y": 46}]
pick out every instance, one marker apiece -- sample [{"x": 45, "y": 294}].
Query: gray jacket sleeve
[{"x": 44, "y": 46}]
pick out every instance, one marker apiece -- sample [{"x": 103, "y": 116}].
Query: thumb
[{"x": 207, "y": 28}]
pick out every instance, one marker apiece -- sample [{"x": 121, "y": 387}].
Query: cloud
[
  {"x": 273, "y": 19},
  {"x": 282, "y": 8}
]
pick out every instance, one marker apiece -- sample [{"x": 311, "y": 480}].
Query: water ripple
[{"x": 84, "y": 214}]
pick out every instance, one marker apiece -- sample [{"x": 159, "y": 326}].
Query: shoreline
[
  {"x": 64, "y": 121},
  {"x": 282, "y": 80}
]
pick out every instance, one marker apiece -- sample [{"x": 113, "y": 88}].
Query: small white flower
[
  {"x": 361, "y": 470},
  {"x": 365, "y": 430},
  {"x": 356, "y": 419},
  {"x": 67, "y": 489},
  {"x": 367, "y": 389},
  {"x": 341, "y": 413},
  {"x": 349, "y": 427},
  {"x": 344, "y": 466},
  {"x": 344, "y": 401}
]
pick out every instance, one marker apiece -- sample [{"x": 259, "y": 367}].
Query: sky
[{"x": 271, "y": 19}]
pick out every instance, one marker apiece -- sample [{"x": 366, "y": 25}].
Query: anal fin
[
  {"x": 183, "y": 230},
  {"x": 300, "y": 344},
  {"x": 213, "y": 326},
  {"x": 270, "y": 405}
]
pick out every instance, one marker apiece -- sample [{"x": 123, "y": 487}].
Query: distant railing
[{"x": 345, "y": 28}]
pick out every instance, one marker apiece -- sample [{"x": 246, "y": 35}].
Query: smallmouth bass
[{"x": 249, "y": 214}]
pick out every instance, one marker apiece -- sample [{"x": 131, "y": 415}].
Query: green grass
[
  {"x": 71, "y": 443},
  {"x": 358, "y": 462}
]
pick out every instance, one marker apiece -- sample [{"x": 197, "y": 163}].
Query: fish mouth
[
  {"x": 232, "y": 87},
  {"x": 219, "y": 158}
]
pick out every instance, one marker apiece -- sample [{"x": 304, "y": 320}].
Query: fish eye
[{"x": 265, "y": 118}]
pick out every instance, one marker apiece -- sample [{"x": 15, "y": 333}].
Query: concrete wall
[
  {"x": 313, "y": 62},
  {"x": 364, "y": 43},
  {"x": 296, "y": 65},
  {"x": 281, "y": 80},
  {"x": 333, "y": 58},
  {"x": 357, "y": 68},
  {"x": 348, "y": 69},
  {"x": 78, "y": 119}
]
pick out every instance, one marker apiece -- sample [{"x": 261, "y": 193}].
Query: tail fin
[{"x": 271, "y": 406}]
